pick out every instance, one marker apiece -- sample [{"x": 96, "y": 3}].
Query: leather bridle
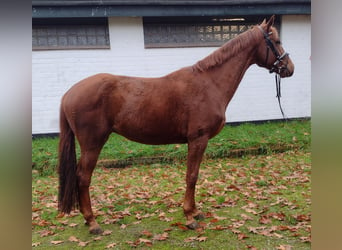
[
  {"x": 276, "y": 67},
  {"x": 279, "y": 58}
]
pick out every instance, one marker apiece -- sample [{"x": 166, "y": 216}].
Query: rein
[
  {"x": 275, "y": 68},
  {"x": 277, "y": 80}
]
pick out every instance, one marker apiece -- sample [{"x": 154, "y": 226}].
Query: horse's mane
[{"x": 227, "y": 50}]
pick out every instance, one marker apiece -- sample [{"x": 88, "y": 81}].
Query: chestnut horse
[{"x": 185, "y": 106}]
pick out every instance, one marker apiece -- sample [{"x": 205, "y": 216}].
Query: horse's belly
[
  {"x": 153, "y": 138},
  {"x": 153, "y": 132}
]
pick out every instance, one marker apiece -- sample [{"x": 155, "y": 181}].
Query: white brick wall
[{"x": 53, "y": 72}]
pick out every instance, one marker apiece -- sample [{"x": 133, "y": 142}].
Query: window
[
  {"x": 54, "y": 34},
  {"x": 194, "y": 32}
]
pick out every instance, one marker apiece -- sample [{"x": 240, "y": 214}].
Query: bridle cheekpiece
[
  {"x": 276, "y": 65},
  {"x": 270, "y": 46}
]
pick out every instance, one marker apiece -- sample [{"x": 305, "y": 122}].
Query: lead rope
[{"x": 277, "y": 79}]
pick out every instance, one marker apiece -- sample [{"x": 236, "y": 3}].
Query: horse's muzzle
[{"x": 286, "y": 72}]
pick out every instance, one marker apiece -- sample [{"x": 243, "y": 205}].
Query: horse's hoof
[
  {"x": 200, "y": 216},
  {"x": 96, "y": 230},
  {"x": 193, "y": 225}
]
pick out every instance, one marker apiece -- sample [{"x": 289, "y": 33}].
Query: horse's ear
[
  {"x": 263, "y": 22},
  {"x": 270, "y": 23}
]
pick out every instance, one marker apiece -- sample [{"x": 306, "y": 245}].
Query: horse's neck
[{"x": 229, "y": 75}]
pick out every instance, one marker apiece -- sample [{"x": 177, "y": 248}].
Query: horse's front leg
[{"x": 196, "y": 150}]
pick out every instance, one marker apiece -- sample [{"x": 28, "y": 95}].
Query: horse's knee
[
  {"x": 83, "y": 180},
  {"x": 191, "y": 180}
]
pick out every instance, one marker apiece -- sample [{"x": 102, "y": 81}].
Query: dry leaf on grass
[
  {"x": 161, "y": 237},
  {"x": 83, "y": 243},
  {"x": 111, "y": 245},
  {"x": 73, "y": 239},
  {"x": 107, "y": 232},
  {"x": 56, "y": 242}
]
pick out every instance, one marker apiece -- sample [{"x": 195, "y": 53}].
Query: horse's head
[{"x": 270, "y": 54}]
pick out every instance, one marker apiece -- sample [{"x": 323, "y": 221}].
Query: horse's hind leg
[
  {"x": 90, "y": 150},
  {"x": 196, "y": 150}
]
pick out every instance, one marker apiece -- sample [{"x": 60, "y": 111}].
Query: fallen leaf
[
  {"x": 233, "y": 187},
  {"x": 35, "y": 244},
  {"x": 184, "y": 228},
  {"x": 246, "y": 217},
  {"x": 146, "y": 241},
  {"x": 132, "y": 244},
  {"x": 264, "y": 220},
  {"x": 249, "y": 210},
  {"x": 45, "y": 233},
  {"x": 214, "y": 220},
  {"x": 161, "y": 237},
  {"x": 220, "y": 218},
  {"x": 83, "y": 243},
  {"x": 65, "y": 222},
  {"x": 302, "y": 217},
  {"x": 146, "y": 233},
  {"x": 111, "y": 245},
  {"x": 107, "y": 232},
  {"x": 56, "y": 242},
  {"x": 278, "y": 216},
  {"x": 73, "y": 239},
  {"x": 190, "y": 239},
  {"x": 60, "y": 215},
  {"x": 172, "y": 210},
  {"x": 242, "y": 236},
  {"x": 35, "y": 215},
  {"x": 235, "y": 231},
  {"x": 44, "y": 223},
  {"x": 284, "y": 247},
  {"x": 278, "y": 235},
  {"x": 201, "y": 239},
  {"x": 219, "y": 228},
  {"x": 282, "y": 228},
  {"x": 305, "y": 239}
]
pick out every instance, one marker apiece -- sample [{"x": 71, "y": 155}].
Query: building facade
[{"x": 72, "y": 40}]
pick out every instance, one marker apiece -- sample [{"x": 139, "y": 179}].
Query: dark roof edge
[
  {"x": 110, "y": 11},
  {"x": 106, "y": 8},
  {"x": 162, "y": 3}
]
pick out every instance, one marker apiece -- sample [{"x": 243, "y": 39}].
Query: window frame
[
  {"x": 55, "y": 25},
  {"x": 168, "y": 24}
]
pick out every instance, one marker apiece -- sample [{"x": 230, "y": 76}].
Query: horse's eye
[{"x": 278, "y": 42}]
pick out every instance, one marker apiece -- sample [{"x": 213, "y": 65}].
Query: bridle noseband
[{"x": 276, "y": 65}]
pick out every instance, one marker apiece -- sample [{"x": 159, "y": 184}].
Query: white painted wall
[{"x": 53, "y": 72}]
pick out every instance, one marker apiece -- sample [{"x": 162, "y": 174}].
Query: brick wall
[{"x": 54, "y": 72}]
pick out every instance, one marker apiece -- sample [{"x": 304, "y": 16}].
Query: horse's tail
[{"x": 67, "y": 167}]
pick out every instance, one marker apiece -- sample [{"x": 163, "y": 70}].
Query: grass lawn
[
  {"x": 251, "y": 202},
  {"x": 232, "y": 141}
]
